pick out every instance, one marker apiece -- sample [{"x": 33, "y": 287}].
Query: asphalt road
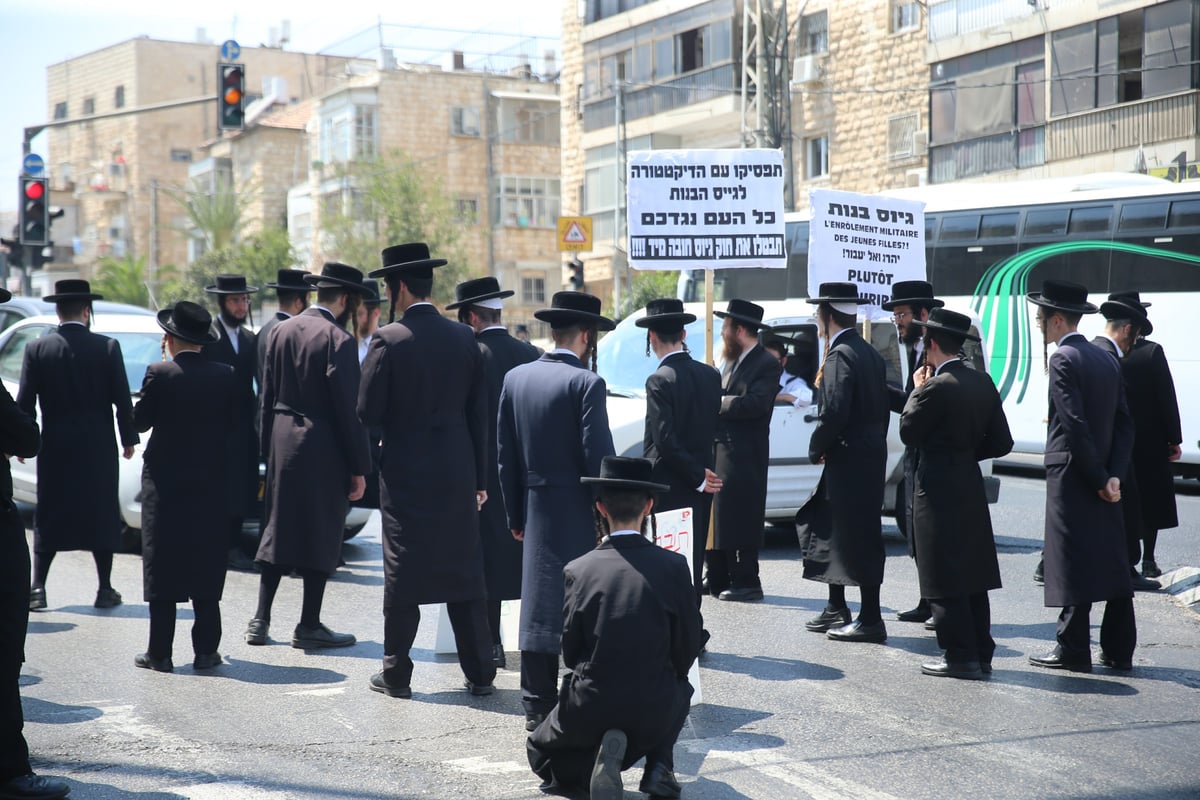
[{"x": 787, "y": 713}]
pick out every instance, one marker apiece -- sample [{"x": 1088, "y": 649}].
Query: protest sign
[{"x": 674, "y": 532}]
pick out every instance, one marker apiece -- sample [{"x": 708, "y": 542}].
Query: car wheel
[{"x": 351, "y": 532}]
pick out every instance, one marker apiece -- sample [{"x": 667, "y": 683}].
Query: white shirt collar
[
  {"x": 836, "y": 335},
  {"x": 320, "y": 307},
  {"x": 562, "y": 351},
  {"x": 624, "y": 533},
  {"x": 1067, "y": 336},
  {"x": 941, "y": 366},
  {"x": 420, "y": 303},
  {"x": 1117, "y": 347},
  {"x": 71, "y": 322},
  {"x": 286, "y": 314},
  {"x": 674, "y": 352},
  {"x": 494, "y": 328}
]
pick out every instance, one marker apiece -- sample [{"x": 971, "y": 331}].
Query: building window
[
  {"x": 60, "y": 110},
  {"x": 816, "y": 162},
  {"x": 528, "y": 122},
  {"x": 89, "y": 105},
  {"x": 181, "y": 155},
  {"x": 349, "y": 135},
  {"x": 1168, "y": 48},
  {"x": 119, "y": 97},
  {"x": 689, "y": 51},
  {"x": 533, "y": 291},
  {"x": 906, "y": 15},
  {"x": 814, "y": 34},
  {"x": 900, "y": 135},
  {"x": 364, "y": 133},
  {"x": 527, "y": 202},
  {"x": 464, "y": 121},
  {"x": 466, "y": 210}
]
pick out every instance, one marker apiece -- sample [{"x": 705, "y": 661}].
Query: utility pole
[{"x": 618, "y": 194}]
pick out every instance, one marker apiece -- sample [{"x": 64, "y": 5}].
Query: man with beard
[
  {"x": 840, "y": 533},
  {"x": 237, "y": 348},
  {"x": 366, "y": 318},
  {"x": 423, "y": 383},
  {"x": 78, "y": 378},
  {"x": 910, "y": 305},
  {"x": 552, "y": 430},
  {"x": 317, "y": 453},
  {"x": 750, "y": 381},
  {"x": 480, "y": 304}
]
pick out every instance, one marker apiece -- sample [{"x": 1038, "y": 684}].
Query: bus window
[
  {"x": 999, "y": 226},
  {"x": 1090, "y": 220},
  {"x": 960, "y": 228},
  {"x": 1050, "y": 222},
  {"x": 797, "y": 259},
  {"x": 1185, "y": 214},
  {"x": 1143, "y": 217}
]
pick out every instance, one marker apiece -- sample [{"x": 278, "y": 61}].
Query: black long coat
[
  {"x": 1155, "y": 410},
  {"x": 953, "y": 422},
  {"x": 241, "y": 465},
  {"x": 312, "y": 438},
  {"x": 841, "y": 535},
  {"x": 19, "y": 437},
  {"x": 631, "y": 631},
  {"x": 423, "y": 384},
  {"x": 189, "y": 402},
  {"x": 743, "y": 448},
  {"x": 501, "y": 552},
  {"x": 683, "y": 401},
  {"x": 898, "y": 397},
  {"x": 552, "y": 430},
  {"x": 1089, "y": 439},
  {"x": 78, "y": 378},
  {"x": 260, "y": 354}
]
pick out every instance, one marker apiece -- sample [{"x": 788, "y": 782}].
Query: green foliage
[
  {"x": 125, "y": 280},
  {"x": 647, "y": 285},
  {"x": 259, "y": 257},
  {"x": 216, "y": 215}
]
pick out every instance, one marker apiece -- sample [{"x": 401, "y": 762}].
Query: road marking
[
  {"x": 480, "y": 765},
  {"x": 227, "y": 791},
  {"x": 319, "y": 692}
]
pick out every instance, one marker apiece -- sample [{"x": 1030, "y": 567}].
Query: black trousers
[
  {"x": 206, "y": 627},
  {"x": 14, "y": 621},
  {"x": 472, "y": 639},
  {"x": 1118, "y": 630},
  {"x": 539, "y": 681},
  {"x": 964, "y": 627},
  {"x": 736, "y": 569}
]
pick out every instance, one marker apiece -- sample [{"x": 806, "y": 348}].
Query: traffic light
[
  {"x": 231, "y": 97},
  {"x": 34, "y": 224},
  {"x": 16, "y": 252},
  {"x": 577, "y": 275}
]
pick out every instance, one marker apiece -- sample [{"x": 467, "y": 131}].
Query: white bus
[{"x": 987, "y": 244}]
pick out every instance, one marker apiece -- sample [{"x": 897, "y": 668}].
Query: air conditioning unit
[
  {"x": 808, "y": 70},
  {"x": 920, "y": 144},
  {"x": 914, "y": 177}
]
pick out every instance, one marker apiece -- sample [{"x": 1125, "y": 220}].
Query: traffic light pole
[{"x": 34, "y": 130}]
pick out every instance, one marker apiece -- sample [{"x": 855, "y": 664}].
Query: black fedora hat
[
  {"x": 1063, "y": 296},
  {"x": 572, "y": 308},
  {"x": 838, "y": 292},
  {"x": 412, "y": 258},
  {"x": 188, "y": 321},
  {"x": 620, "y": 472},
  {"x": 1132, "y": 297},
  {"x": 745, "y": 312},
  {"x": 947, "y": 321},
  {"x": 291, "y": 280},
  {"x": 477, "y": 290},
  {"x": 666, "y": 314},
  {"x": 335, "y": 275},
  {"x": 907, "y": 293},
  {"x": 5, "y": 295},
  {"x": 1122, "y": 306},
  {"x": 72, "y": 289},
  {"x": 230, "y": 284},
  {"x": 372, "y": 296}
]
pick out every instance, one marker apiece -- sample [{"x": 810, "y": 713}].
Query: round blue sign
[
  {"x": 33, "y": 165},
  {"x": 230, "y": 50}
]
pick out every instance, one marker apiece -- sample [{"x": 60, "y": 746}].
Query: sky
[{"x": 48, "y": 32}]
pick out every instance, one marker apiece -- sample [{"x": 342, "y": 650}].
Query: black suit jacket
[
  {"x": 683, "y": 402},
  {"x": 241, "y": 469},
  {"x": 1155, "y": 411}
]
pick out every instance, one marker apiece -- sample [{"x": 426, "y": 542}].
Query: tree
[
  {"x": 215, "y": 213},
  {"x": 125, "y": 280},
  {"x": 647, "y": 285},
  {"x": 259, "y": 257},
  {"x": 393, "y": 200}
]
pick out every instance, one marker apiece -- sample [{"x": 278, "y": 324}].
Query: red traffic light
[{"x": 35, "y": 190}]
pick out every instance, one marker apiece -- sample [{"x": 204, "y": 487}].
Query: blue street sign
[
  {"x": 230, "y": 50},
  {"x": 33, "y": 165}
]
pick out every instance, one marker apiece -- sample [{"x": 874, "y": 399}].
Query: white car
[
  {"x": 791, "y": 476},
  {"x": 140, "y": 338}
]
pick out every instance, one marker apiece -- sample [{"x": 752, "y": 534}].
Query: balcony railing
[
  {"x": 950, "y": 18},
  {"x": 646, "y": 101},
  {"x": 1102, "y": 130}
]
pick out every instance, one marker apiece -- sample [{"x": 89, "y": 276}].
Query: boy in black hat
[
  {"x": 189, "y": 403},
  {"x": 552, "y": 430},
  {"x": 603, "y": 720},
  {"x": 1089, "y": 439},
  {"x": 77, "y": 466},
  {"x": 952, "y": 419}
]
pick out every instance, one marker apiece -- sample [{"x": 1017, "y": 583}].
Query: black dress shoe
[
  {"x": 147, "y": 661},
  {"x": 1150, "y": 568},
  {"x": 256, "y": 631},
  {"x": 1039, "y": 573},
  {"x": 533, "y": 720},
  {"x": 857, "y": 631},
  {"x": 828, "y": 619},
  {"x": 985, "y": 667},
  {"x": 659, "y": 781},
  {"x": 479, "y": 690},
  {"x": 37, "y": 599},
  {"x": 107, "y": 598},
  {"x": 918, "y": 614},
  {"x": 206, "y": 660},
  {"x": 498, "y": 657},
  {"x": 33, "y": 787},
  {"x": 1141, "y": 584},
  {"x": 319, "y": 636},
  {"x": 1112, "y": 663},
  {"x": 930, "y": 626},
  {"x": 966, "y": 670},
  {"x": 1056, "y": 659},
  {"x": 379, "y": 684},
  {"x": 746, "y": 594},
  {"x": 606, "y": 774}
]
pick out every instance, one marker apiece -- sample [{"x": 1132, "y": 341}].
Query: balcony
[
  {"x": 1102, "y": 130},
  {"x": 951, "y": 18},
  {"x": 646, "y": 101}
]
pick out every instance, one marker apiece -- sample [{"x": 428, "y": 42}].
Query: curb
[{"x": 1184, "y": 585}]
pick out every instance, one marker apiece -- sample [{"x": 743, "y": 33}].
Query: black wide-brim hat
[
  {"x": 372, "y": 296},
  {"x": 188, "y": 321},
  {"x": 72, "y": 289},
  {"x": 620, "y": 472},
  {"x": 1133, "y": 298},
  {"x": 574, "y": 308},
  {"x": 291, "y": 280},
  {"x": 5, "y": 295},
  {"x": 1063, "y": 296},
  {"x": 838, "y": 292},
  {"x": 412, "y": 259},
  {"x": 477, "y": 290},
  {"x": 745, "y": 312},
  {"x": 666, "y": 313},
  {"x": 907, "y": 293},
  {"x": 335, "y": 275},
  {"x": 1123, "y": 309},
  {"x": 947, "y": 321},
  {"x": 230, "y": 284}
]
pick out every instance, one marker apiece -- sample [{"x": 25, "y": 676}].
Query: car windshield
[
  {"x": 622, "y": 361},
  {"x": 139, "y": 350}
]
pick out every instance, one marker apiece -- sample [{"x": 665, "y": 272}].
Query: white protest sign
[
  {"x": 674, "y": 533},
  {"x": 865, "y": 239},
  {"x": 706, "y": 209}
]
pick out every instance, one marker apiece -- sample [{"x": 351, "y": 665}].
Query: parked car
[
  {"x": 791, "y": 476},
  {"x": 141, "y": 345},
  {"x": 20, "y": 308}
]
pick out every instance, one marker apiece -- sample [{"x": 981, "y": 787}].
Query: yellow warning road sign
[{"x": 574, "y": 234}]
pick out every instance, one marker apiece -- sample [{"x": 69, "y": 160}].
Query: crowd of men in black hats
[{"x": 494, "y": 470}]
